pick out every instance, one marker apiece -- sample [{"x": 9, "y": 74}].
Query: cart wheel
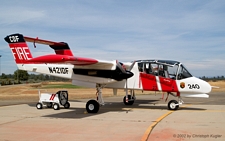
[
  {"x": 49, "y": 105},
  {"x": 56, "y": 106},
  {"x": 39, "y": 105},
  {"x": 67, "y": 105}
]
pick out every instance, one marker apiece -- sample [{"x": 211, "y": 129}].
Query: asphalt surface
[{"x": 147, "y": 119}]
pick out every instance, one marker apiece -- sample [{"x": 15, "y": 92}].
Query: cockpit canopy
[{"x": 165, "y": 68}]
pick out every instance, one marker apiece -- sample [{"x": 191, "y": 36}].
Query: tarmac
[{"x": 148, "y": 119}]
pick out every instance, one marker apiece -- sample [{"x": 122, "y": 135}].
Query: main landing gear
[
  {"x": 173, "y": 104},
  {"x": 129, "y": 99},
  {"x": 92, "y": 106}
]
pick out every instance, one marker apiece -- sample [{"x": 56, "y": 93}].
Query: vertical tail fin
[
  {"x": 62, "y": 49},
  {"x": 19, "y": 48}
]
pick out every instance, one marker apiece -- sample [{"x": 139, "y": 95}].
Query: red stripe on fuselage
[
  {"x": 168, "y": 85},
  {"x": 148, "y": 82}
]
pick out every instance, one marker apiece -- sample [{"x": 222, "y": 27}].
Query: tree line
[
  {"x": 21, "y": 76},
  {"x": 214, "y": 78}
]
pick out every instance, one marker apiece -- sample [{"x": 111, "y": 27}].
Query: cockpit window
[
  {"x": 172, "y": 70},
  {"x": 183, "y": 73},
  {"x": 175, "y": 71},
  {"x": 152, "y": 68}
]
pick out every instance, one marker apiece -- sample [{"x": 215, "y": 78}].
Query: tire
[
  {"x": 39, "y": 106},
  {"x": 67, "y": 105},
  {"x": 56, "y": 106},
  {"x": 172, "y": 105},
  {"x": 92, "y": 106},
  {"x": 49, "y": 105},
  {"x": 130, "y": 100}
]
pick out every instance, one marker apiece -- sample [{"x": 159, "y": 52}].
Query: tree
[
  {"x": 41, "y": 76},
  {"x": 4, "y": 76},
  {"x": 21, "y": 74},
  {"x": 46, "y": 77}
]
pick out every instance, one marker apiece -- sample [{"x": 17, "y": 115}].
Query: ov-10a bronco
[{"x": 167, "y": 76}]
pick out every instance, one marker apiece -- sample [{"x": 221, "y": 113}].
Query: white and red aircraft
[{"x": 147, "y": 75}]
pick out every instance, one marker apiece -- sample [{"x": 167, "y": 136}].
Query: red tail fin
[
  {"x": 62, "y": 49},
  {"x": 19, "y": 48}
]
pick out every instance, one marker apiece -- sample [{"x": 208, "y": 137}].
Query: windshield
[
  {"x": 172, "y": 71},
  {"x": 183, "y": 73}
]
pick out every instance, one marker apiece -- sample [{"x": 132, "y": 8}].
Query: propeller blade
[
  {"x": 132, "y": 65},
  {"x": 121, "y": 68}
]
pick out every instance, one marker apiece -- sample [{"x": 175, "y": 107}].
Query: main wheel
[
  {"x": 130, "y": 100},
  {"x": 173, "y": 105},
  {"x": 49, "y": 105},
  {"x": 56, "y": 106},
  {"x": 39, "y": 105},
  {"x": 92, "y": 106},
  {"x": 67, "y": 105}
]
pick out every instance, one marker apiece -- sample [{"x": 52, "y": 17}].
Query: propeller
[{"x": 127, "y": 74}]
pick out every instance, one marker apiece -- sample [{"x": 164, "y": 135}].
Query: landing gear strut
[{"x": 92, "y": 106}]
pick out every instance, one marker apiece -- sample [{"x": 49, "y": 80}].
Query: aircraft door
[
  {"x": 147, "y": 77},
  {"x": 167, "y": 84}
]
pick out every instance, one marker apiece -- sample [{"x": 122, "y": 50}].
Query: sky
[{"x": 192, "y": 32}]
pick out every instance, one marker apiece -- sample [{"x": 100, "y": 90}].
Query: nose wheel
[{"x": 173, "y": 105}]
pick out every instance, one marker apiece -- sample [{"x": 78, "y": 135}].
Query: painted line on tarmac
[
  {"x": 148, "y": 131},
  {"x": 150, "y": 128}
]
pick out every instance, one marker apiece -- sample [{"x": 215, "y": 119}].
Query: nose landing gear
[{"x": 173, "y": 104}]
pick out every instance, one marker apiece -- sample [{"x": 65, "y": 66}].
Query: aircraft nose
[{"x": 206, "y": 87}]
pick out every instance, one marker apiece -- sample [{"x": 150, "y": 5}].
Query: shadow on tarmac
[{"x": 112, "y": 107}]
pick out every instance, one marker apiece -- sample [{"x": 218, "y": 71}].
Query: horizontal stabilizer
[
  {"x": 45, "y": 42},
  {"x": 59, "y": 47}
]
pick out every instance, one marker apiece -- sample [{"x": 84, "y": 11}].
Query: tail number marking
[
  {"x": 22, "y": 52},
  {"x": 59, "y": 70},
  {"x": 193, "y": 86}
]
